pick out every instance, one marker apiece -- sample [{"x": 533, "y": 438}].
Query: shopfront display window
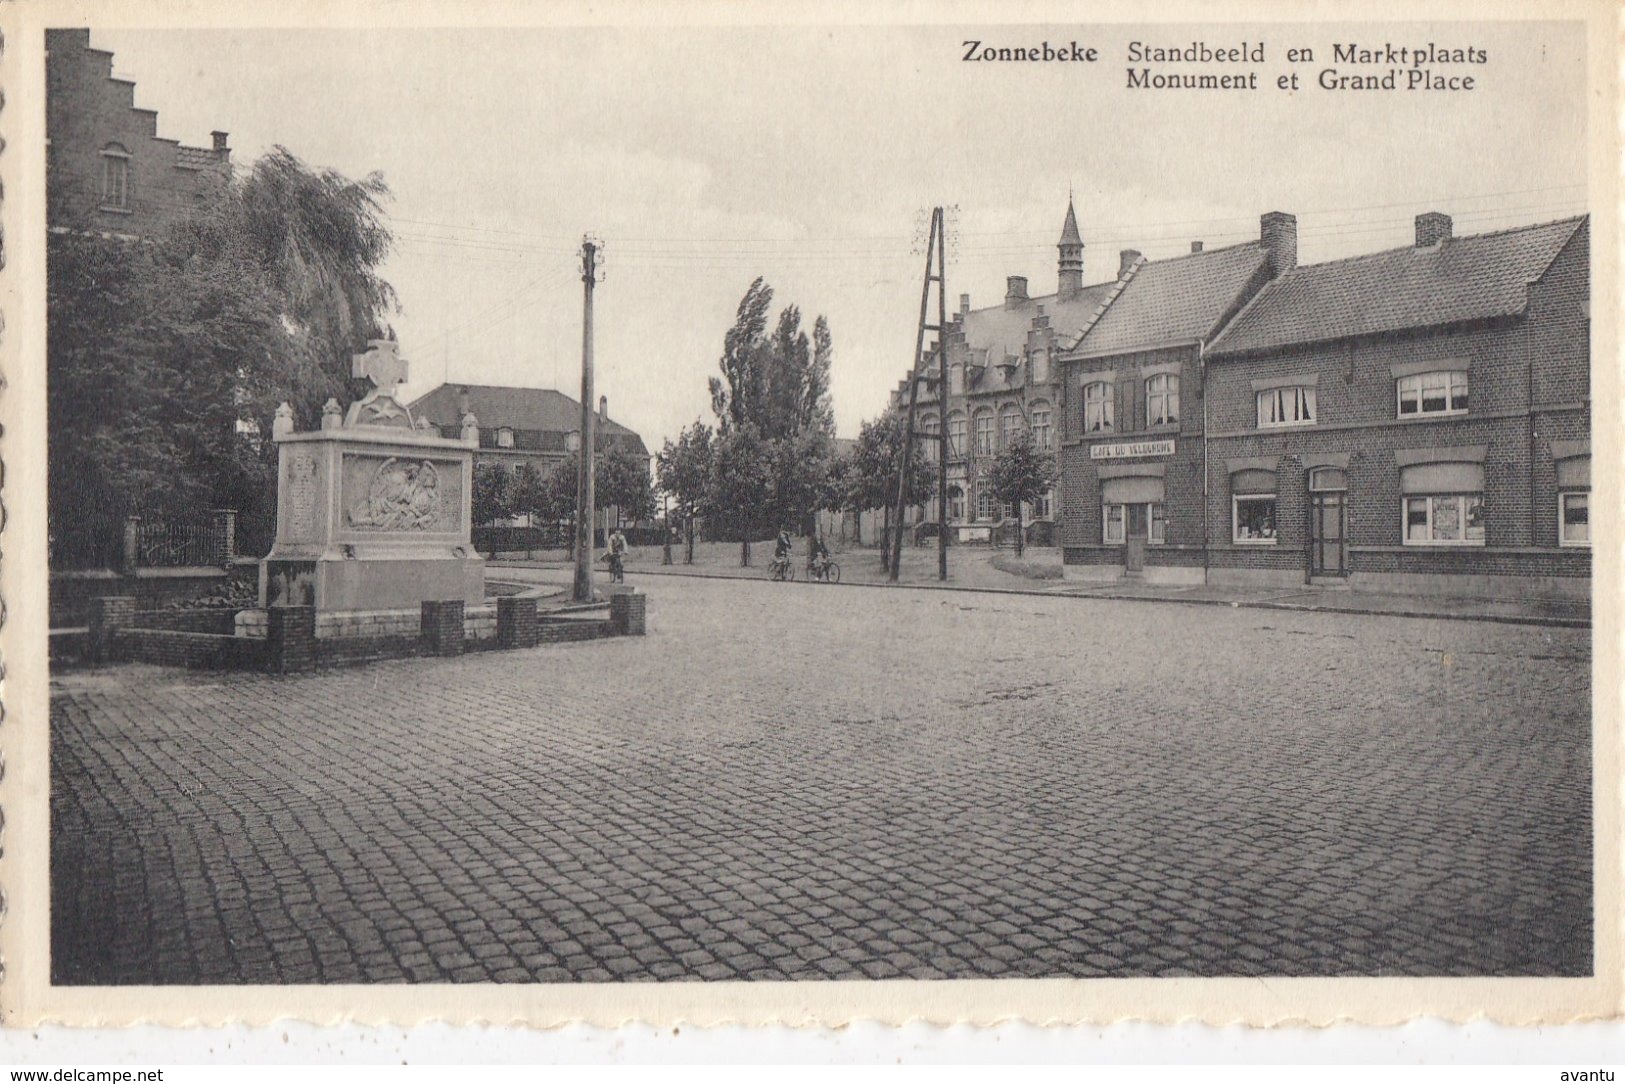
[
  {"x": 1254, "y": 519},
  {"x": 1451, "y": 519}
]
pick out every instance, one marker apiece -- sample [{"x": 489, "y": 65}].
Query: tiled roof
[
  {"x": 196, "y": 158},
  {"x": 1464, "y": 278},
  {"x": 999, "y": 331},
  {"x": 1175, "y": 300},
  {"x": 540, "y": 409}
]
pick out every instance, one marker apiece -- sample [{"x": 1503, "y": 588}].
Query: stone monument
[{"x": 374, "y": 509}]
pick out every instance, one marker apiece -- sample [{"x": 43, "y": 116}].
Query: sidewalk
[{"x": 974, "y": 570}]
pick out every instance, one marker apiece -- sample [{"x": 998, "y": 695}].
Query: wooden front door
[{"x": 1328, "y": 534}]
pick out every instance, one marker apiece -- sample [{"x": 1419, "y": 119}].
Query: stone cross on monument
[{"x": 383, "y": 365}]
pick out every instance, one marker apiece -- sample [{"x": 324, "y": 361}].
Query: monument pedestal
[{"x": 374, "y": 512}]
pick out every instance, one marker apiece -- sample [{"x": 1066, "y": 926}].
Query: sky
[{"x": 704, "y": 158}]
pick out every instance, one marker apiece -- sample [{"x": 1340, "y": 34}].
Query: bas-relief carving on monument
[{"x": 401, "y": 496}]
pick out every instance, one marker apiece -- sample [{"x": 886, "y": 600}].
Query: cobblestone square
[{"x": 808, "y": 782}]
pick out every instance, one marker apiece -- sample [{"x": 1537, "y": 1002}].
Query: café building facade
[{"x": 1132, "y": 451}]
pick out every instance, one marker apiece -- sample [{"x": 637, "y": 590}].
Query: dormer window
[
  {"x": 504, "y": 437},
  {"x": 115, "y": 178}
]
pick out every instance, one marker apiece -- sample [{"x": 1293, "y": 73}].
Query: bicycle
[
  {"x": 826, "y": 571},
  {"x": 617, "y": 567},
  {"x": 781, "y": 570}
]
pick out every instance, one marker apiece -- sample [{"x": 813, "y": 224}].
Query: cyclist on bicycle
[
  {"x": 818, "y": 561},
  {"x": 782, "y": 549},
  {"x": 617, "y": 556}
]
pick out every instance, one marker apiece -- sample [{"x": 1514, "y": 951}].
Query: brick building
[
  {"x": 1416, "y": 420},
  {"x": 538, "y": 426},
  {"x": 1133, "y": 407},
  {"x": 1002, "y": 382},
  {"x": 107, "y": 167}
]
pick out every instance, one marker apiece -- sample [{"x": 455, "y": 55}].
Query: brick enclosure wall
[
  {"x": 220, "y": 622},
  {"x": 193, "y": 650},
  {"x": 87, "y": 109},
  {"x": 1528, "y": 381}
]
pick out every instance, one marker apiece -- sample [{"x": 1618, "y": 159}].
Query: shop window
[
  {"x": 1286, "y": 406},
  {"x": 956, "y": 436},
  {"x": 1162, "y": 400},
  {"x": 1042, "y": 437},
  {"x": 1010, "y": 425},
  {"x": 1097, "y": 407},
  {"x": 984, "y": 432},
  {"x": 1432, "y": 393},
  {"x": 1253, "y": 516},
  {"x": 1446, "y": 519},
  {"x": 1159, "y": 524},
  {"x": 115, "y": 178},
  {"x": 1574, "y": 518}
]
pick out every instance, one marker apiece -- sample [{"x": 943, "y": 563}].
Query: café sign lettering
[{"x": 1131, "y": 449}]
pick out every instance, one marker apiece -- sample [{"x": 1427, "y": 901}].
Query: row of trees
[
  {"x": 735, "y": 476},
  {"x": 770, "y": 462},
  {"x": 620, "y": 480},
  {"x": 160, "y": 351}
]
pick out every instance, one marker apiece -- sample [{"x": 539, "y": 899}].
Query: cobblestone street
[{"x": 808, "y": 782}]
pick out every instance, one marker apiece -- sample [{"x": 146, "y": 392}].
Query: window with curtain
[
  {"x": 1286, "y": 406},
  {"x": 1097, "y": 407},
  {"x": 1162, "y": 399},
  {"x": 1432, "y": 393}
]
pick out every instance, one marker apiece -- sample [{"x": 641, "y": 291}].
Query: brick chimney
[
  {"x": 462, "y": 403},
  {"x": 1015, "y": 291},
  {"x": 1125, "y": 260},
  {"x": 603, "y": 409},
  {"x": 1196, "y": 246},
  {"x": 220, "y": 142},
  {"x": 964, "y": 307},
  {"x": 1278, "y": 233},
  {"x": 1431, "y": 228}
]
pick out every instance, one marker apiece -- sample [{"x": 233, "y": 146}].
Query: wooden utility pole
[
  {"x": 942, "y": 396},
  {"x": 585, "y": 497},
  {"x": 934, "y": 256}
]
